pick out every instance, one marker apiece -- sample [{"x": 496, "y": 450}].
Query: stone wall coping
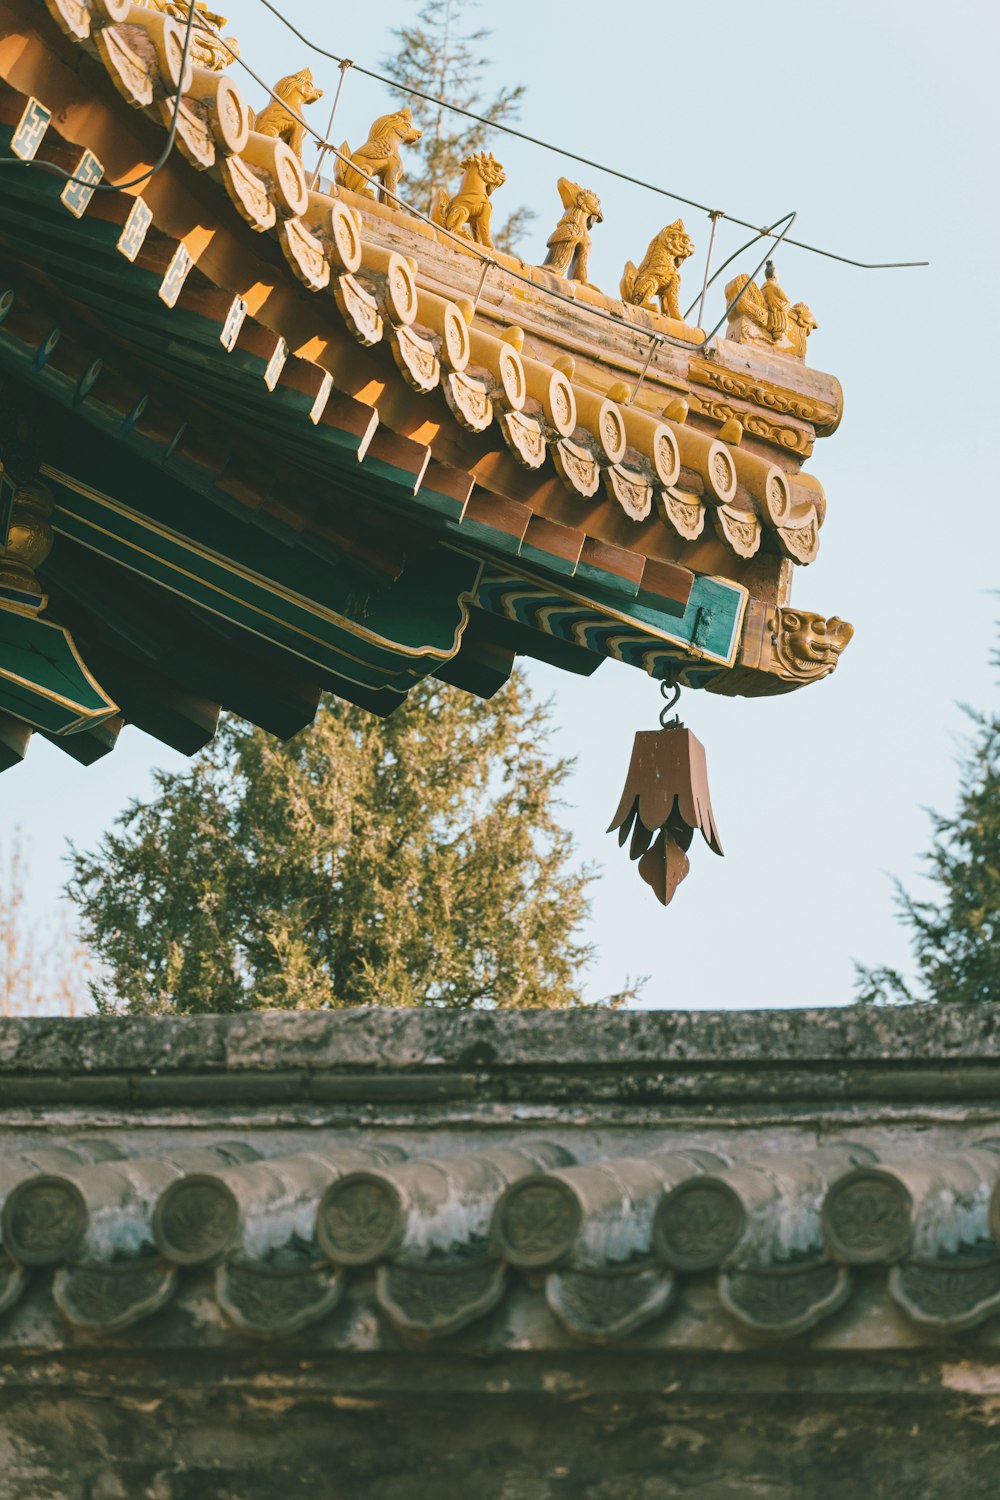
[{"x": 381, "y": 1039}]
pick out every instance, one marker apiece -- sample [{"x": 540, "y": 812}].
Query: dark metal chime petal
[{"x": 666, "y": 798}]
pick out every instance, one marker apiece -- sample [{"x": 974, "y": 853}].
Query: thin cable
[
  {"x": 119, "y": 187},
  {"x": 761, "y": 234},
  {"x": 764, "y": 234},
  {"x": 470, "y": 246},
  {"x": 324, "y": 147},
  {"x": 886, "y": 265},
  {"x": 715, "y": 216},
  {"x": 488, "y": 261}
]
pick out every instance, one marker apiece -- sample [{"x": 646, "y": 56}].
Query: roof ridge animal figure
[
  {"x": 379, "y": 156},
  {"x": 208, "y": 50},
  {"x": 763, "y": 314},
  {"x": 470, "y": 210},
  {"x": 800, "y": 325},
  {"x": 278, "y": 118},
  {"x": 659, "y": 275},
  {"x": 569, "y": 242}
]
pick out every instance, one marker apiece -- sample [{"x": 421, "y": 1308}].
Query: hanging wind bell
[{"x": 666, "y": 795}]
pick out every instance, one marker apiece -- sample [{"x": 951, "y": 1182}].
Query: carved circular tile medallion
[
  {"x": 400, "y": 290},
  {"x": 346, "y": 237},
  {"x": 230, "y": 117},
  {"x": 289, "y": 193},
  {"x": 454, "y": 338},
  {"x": 778, "y": 500},
  {"x": 196, "y": 1220},
  {"x": 536, "y": 1222},
  {"x": 698, "y": 1224},
  {"x": 512, "y": 379},
  {"x": 867, "y": 1217},
  {"x": 361, "y": 1219},
  {"x": 171, "y": 54},
  {"x": 44, "y": 1221},
  {"x": 722, "y": 473},
  {"x": 562, "y": 405},
  {"x": 666, "y": 456},
  {"x": 612, "y": 432}
]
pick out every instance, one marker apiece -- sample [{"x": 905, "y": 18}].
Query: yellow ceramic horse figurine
[
  {"x": 279, "y": 117},
  {"x": 379, "y": 156}
]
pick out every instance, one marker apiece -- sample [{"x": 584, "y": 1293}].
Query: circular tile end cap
[
  {"x": 196, "y": 1220},
  {"x": 361, "y": 1219},
  {"x": 536, "y": 1222},
  {"x": 698, "y": 1224},
  {"x": 867, "y": 1218},
  {"x": 44, "y": 1221}
]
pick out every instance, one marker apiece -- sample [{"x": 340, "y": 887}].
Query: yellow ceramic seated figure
[
  {"x": 278, "y": 118},
  {"x": 762, "y": 315},
  {"x": 569, "y": 242},
  {"x": 470, "y": 210},
  {"x": 659, "y": 275}
]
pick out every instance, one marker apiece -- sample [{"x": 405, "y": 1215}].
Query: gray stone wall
[{"x": 387, "y": 1253}]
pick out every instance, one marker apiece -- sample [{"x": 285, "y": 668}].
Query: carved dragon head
[
  {"x": 575, "y": 196},
  {"x": 808, "y": 645},
  {"x": 591, "y": 205}
]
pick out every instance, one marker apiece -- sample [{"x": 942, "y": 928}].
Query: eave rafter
[{"x": 333, "y": 363}]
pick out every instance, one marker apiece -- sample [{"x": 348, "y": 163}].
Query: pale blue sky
[{"x": 878, "y": 122}]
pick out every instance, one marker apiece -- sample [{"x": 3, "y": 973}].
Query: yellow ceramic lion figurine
[
  {"x": 379, "y": 157},
  {"x": 659, "y": 275}
]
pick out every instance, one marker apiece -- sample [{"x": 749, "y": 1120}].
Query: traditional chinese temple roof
[{"x": 266, "y": 436}]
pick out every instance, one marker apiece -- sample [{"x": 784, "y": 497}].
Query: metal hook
[{"x": 670, "y": 691}]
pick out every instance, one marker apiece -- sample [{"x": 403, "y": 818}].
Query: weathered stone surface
[
  {"x": 383, "y": 1039},
  {"x": 566, "y": 1434},
  {"x": 451, "y": 1366}
]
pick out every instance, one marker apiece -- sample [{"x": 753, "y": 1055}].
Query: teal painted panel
[
  {"x": 547, "y": 562},
  {"x": 42, "y": 679},
  {"x": 709, "y": 627},
  {"x": 393, "y": 639},
  {"x": 711, "y": 622},
  {"x": 621, "y": 590},
  {"x": 476, "y": 532}
]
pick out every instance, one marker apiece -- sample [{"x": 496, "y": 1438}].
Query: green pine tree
[
  {"x": 440, "y": 58},
  {"x": 408, "y": 861},
  {"x": 955, "y": 938}
]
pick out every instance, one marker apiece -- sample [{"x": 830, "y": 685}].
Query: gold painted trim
[
  {"x": 86, "y": 718},
  {"x": 258, "y": 580}
]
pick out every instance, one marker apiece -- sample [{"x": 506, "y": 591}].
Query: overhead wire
[
  {"x": 120, "y": 187},
  {"x": 521, "y": 135},
  {"x": 489, "y": 261}
]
